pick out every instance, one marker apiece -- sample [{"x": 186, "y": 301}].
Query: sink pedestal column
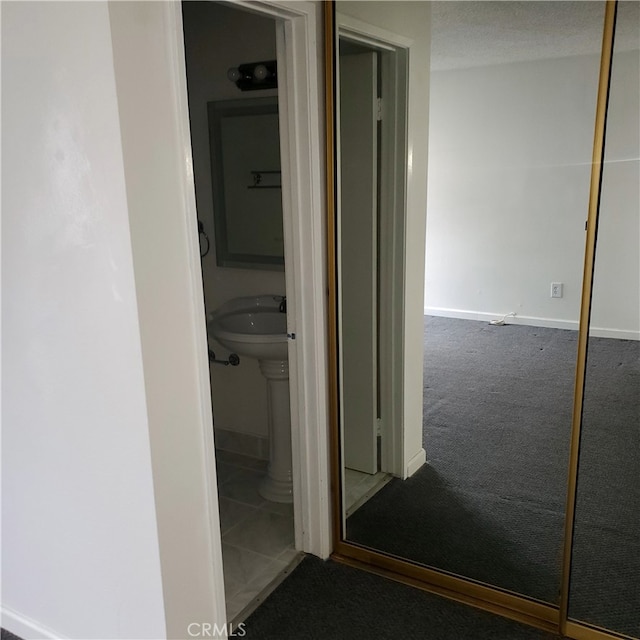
[{"x": 277, "y": 486}]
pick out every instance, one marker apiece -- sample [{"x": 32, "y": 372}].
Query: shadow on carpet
[{"x": 331, "y": 601}]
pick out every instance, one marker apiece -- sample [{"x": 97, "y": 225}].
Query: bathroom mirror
[
  {"x": 246, "y": 183},
  {"x": 453, "y": 455}
]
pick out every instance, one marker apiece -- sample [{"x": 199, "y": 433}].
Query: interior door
[{"x": 358, "y": 257}]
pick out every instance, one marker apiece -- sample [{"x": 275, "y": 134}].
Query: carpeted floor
[
  {"x": 605, "y": 579},
  {"x": 330, "y": 601},
  {"x": 489, "y": 504}
]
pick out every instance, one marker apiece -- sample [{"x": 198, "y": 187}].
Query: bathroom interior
[{"x": 235, "y": 127}]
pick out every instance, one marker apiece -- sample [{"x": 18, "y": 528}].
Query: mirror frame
[
  {"x": 216, "y": 112},
  {"x": 549, "y": 617}
]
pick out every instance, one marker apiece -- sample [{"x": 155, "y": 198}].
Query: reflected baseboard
[
  {"x": 245, "y": 444},
  {"x": 24, "y": 627},
  {"x": 531, "y": 321},
  {"x": 486, "y": 316},
  {"x": 416, "y": 462}
]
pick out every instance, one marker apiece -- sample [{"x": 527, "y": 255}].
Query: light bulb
[
  {"x": 234, "y": 74},
  {"x": 260, "y": 72}
]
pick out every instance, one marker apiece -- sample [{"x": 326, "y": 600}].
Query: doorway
[
  {"x": 242, "y": 232},
  {"x": 371, "y": 220},
  {"x": 148, "y": 44}
]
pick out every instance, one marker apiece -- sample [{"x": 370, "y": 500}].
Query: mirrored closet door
[
  {"x": 605, "y": 570},
  {"x": 464, "y": 164}
]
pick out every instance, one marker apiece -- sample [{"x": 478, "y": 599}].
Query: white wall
[
  {"x": 220, "y": 37},
  {"x": 615, "y": 308},
  {"x": 80, "y": 554},
  {"x": 410, "y": 20},
  {"x": 510, "y": 153},
  {"x": 510, "y": 160},
  {"x": 147, "y": 44}
]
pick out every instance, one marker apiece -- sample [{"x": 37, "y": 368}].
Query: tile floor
[
  {"x": 359, "y": 487},
  {"x": 257, "y": 535}
]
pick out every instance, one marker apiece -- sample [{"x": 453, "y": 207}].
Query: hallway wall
[
  {"x": 80, "y": 551},
  {"x": 616, "y": 285}
]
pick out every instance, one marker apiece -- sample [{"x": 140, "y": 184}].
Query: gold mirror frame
[{"x": 517, "y": 607}]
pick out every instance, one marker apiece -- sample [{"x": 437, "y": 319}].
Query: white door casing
[{"x": 299, "y": 31}]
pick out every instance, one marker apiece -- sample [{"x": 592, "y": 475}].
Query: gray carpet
[
  {"x": 497, "y": 418},
  {"x": 330, "y": 601},
  {"x": 606, "y": 557}
]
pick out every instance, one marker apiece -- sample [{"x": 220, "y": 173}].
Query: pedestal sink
[{"x": 256, "y": 327}]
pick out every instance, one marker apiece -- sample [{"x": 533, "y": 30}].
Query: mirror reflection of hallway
[
  {"x": 511, "y": 121},
  {"x": 370, "y": 228}
]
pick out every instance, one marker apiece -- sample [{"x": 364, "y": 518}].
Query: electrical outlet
[{"x": 556, "y": 289}]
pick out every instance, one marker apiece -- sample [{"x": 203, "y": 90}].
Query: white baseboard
[
  {"x": 416, "y": 462},
  {"x": 25, "y": 628},
  {"x": 246, "y": 444},
  {"x": 620, "y": 334},
  {"x": 532, "y": 321},
  {"x": 551, "y": 323}
]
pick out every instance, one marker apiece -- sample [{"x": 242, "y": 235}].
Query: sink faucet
[{"x": 283, "y": 305}]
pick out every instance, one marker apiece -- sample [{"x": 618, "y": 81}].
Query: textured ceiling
[{"x": 479, "y": 33}]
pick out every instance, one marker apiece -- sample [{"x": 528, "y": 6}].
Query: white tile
[
  {"x": 225, "y": 471},
  {"x": 258, "y": 539},
  {"x": 353, "y": 477},
  {"x": 263, "y": 532},
  {"x": 357, "y": 484},
  {"x": 359, "y": 494},
  {"x": 254, "y": 589},
  {"x": 375, "y": 482},
  {"x": 243, "y": 487},
  {"x": 232, "y": 512},
  {"x": 288, "y": 555},
  {"x": 282, "y": 508},
  {"x": 352, "y": 495},
  {"x": 242, "y": 567},
  {"x": 234, "y": 607},
  {"x": 238, "y": 460}
]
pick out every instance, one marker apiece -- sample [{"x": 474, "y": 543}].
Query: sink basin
[
  {"x": 253, "y": 327},
  {"x": 256, "y": 328}
]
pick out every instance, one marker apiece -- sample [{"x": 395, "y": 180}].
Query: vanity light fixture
[{"x": 253, "y": 76}]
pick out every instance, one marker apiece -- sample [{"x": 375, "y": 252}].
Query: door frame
[
  {"x": 301, "y": 107},
  {"x": 394, "y": 59},
  {"x": 301, "y": 114}
]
